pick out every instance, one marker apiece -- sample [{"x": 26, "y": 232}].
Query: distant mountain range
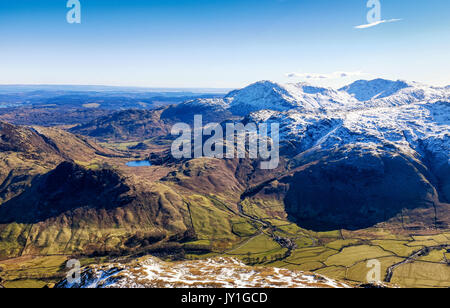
[
  {"x": 117, "y": 89},
  {"x": 306, "y": 98},
  {"x": 69, "y": 105}
]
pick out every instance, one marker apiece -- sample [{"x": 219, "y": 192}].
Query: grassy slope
[{"x": 28, "y": 155}]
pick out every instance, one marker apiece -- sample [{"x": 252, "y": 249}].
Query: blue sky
[{"x": 228, "y": 43}]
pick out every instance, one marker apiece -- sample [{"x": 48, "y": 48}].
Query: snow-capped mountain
[
  {"x": 371, "y": 162},
  {"x": 376, "y": 111},
  {"x": 364, "y": 90},
  {"x": 407, "y": 126},
  {"x": 273, "y": 96},
  {"x": 401, "y": 154},
  {"x": 380, "y": 92},
  {"x": 268, "y": 95},
  {"x": 372, "y": 114}
]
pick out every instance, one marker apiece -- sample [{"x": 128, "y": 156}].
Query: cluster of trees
[
  {"x": 198, "y": 249},
  {"x": 141, "y": 239},
  {"x": 261, "y": 260}
]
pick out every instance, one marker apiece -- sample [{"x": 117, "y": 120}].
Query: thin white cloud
[
  {"x": 377, "y": 23},
  {"x": 334, "y": 75}
]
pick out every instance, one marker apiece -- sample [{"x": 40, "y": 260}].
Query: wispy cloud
[
  {"x": 334, "y": 75},
  {"x": 377, "y": 23}
]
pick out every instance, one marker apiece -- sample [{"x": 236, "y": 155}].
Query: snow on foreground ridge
[{"x": 150, "y": 272}]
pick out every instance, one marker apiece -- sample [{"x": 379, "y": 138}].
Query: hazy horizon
[{"x": 194, "y": 89}]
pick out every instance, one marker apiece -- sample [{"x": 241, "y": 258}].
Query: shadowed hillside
[{"x": 126, "y": 125}]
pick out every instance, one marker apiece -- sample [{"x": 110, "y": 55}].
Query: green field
[{"x": 256, "y": 237}]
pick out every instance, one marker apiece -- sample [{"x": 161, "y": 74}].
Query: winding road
[{"x": 412, "y": 258}]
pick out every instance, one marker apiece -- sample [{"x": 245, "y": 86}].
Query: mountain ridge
[{"x": 304, "y": 97}]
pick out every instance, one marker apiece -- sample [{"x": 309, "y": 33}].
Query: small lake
[{"x": 139, "y": 163}]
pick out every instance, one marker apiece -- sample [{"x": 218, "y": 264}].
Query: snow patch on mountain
[{"x": 207, "y": 102}]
